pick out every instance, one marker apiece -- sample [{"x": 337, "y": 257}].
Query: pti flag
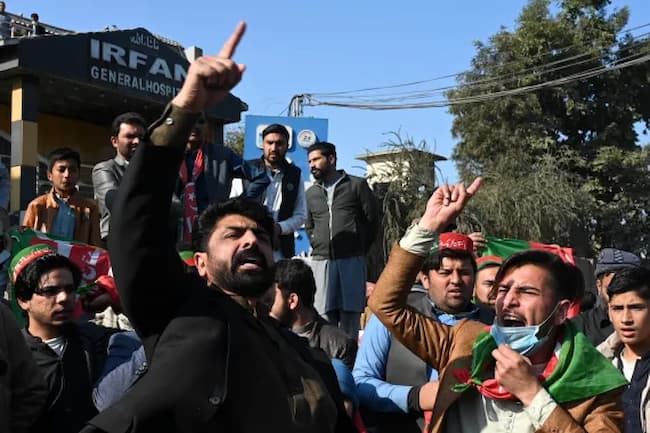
[
  {"x": 93, "y": 261},
  {"x": 504, "y": 248}
]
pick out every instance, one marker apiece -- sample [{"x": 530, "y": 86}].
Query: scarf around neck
[{"x": 579, "y": 372}]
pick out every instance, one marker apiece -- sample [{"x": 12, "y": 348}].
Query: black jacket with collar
[
  {"x": 213, "y": 366},
  {"x": 349, "y": 226},
  {"x": 70, "y": 378}
]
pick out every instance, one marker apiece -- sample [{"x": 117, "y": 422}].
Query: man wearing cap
[
  {"x": 395, "y": 386},
  {"x": 284, "y": 196},
  {"x": 595, "y": 323},
  {"x": 69, "y": 355},
  {"x": 531, "y": 371},
  {"x": 486, "y": 270}
]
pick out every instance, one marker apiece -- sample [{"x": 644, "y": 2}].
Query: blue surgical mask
[{"x": 524, "y": 340}]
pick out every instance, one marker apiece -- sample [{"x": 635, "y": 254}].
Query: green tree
[
  {"x": 574, "y": 145},
  {"x": 235, "y": 139},
  {"x": 403, "y": 184}
]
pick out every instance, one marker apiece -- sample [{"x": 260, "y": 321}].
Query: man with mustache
[
  {"x": 128, "y": 130},
  {"x": 342, "y": 222},
  {"x": 284, "y": 196},
  {"x": 531, "y": 371},
  {"x": 215, "y": 362},
  {"x": 206, "y": 176},
  {"x": 69, "y": 355}
]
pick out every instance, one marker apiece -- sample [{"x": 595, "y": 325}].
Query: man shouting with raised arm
[
  {"x": 215, "y": 363},
  {"x": 530, "y": 371}
]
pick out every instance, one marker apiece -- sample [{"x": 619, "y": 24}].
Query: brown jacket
[
  {"x": 42, "y": 210},
  {"x": 447, "y": 348}
]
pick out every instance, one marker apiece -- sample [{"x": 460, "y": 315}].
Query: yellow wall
[{"x": 92, "y": 141}]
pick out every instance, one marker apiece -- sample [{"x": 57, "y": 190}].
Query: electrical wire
[
  {"x": 622, "y": 63},
  {"x": 554, "y": 52}
]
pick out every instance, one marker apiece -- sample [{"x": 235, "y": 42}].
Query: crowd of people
[{"x": 240, "y": 336}]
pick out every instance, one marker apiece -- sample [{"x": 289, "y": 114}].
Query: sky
[{"x": 294, "y": 47}]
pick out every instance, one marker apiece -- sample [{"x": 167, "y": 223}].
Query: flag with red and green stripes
[{"x": 504, "y": 248}]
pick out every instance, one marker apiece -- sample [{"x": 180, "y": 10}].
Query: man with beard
[
  {"x": 215, "y": 363},
  {"x": 395, "y": 387},
  {"x": 532, "y": 371},
  {"x": 342, "y": 222},
  {"x": 206, "y": 176},
  {"x": 128, "y": 130},
  {"x": 284, "y": 195}
]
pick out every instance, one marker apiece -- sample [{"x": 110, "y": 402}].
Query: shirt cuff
[
  {"x": 418, "y": 241},
  {"x": 540, "y": 408}
]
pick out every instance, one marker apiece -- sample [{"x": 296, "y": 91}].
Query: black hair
[
  {"x": 295, "y": 276},
  {"x": 30, "y": 277},
  {"x": 566, "y": 279},
  {"x": 434, "y": 260},
  {"x": 325, "y": 148},
  {"x": 635, "y": 279},
  {"x": 62, "y": 154},
  {"x": 129, "y": 118},
  {"x": 209, "y": 218},
  {"x": 276, "y": 128}
]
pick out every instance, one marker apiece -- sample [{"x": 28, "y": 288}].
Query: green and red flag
[
  {"x": 93, "y": 261},
  {"x": 504, "y": 248}
]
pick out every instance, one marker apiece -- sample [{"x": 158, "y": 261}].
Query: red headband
[{"x": 455, "y": 241}]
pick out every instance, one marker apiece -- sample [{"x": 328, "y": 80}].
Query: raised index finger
[
  {"x": 471, "y": 190},
  {"x": 228, "y": 49}
]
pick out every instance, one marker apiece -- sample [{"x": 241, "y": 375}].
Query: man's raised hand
[
  {"x": 446, "y": 203},
  {"x": 210, "y": 78}
]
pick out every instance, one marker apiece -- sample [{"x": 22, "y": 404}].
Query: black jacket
[
  {"x": 330, "y": 339},
  {"x": 22, "y": 388},
  {"x": 354, "y": 217},
  {"x": 212, "y": 365},
  {"x": 70, "y": 378}
]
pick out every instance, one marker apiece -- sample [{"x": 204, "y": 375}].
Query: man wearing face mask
[{"x": 531, "y": 371}]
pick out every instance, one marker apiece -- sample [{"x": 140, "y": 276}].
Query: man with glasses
[{"x": 69, "y": 355}]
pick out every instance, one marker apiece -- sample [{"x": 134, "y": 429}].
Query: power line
[
  {"x": 538, "y": 72},
  {"x": 617, "y": 65},
  {"x": 554, "y": 52}
]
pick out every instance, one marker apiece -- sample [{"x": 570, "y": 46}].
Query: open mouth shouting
[{"x": 511, "y": 320}]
